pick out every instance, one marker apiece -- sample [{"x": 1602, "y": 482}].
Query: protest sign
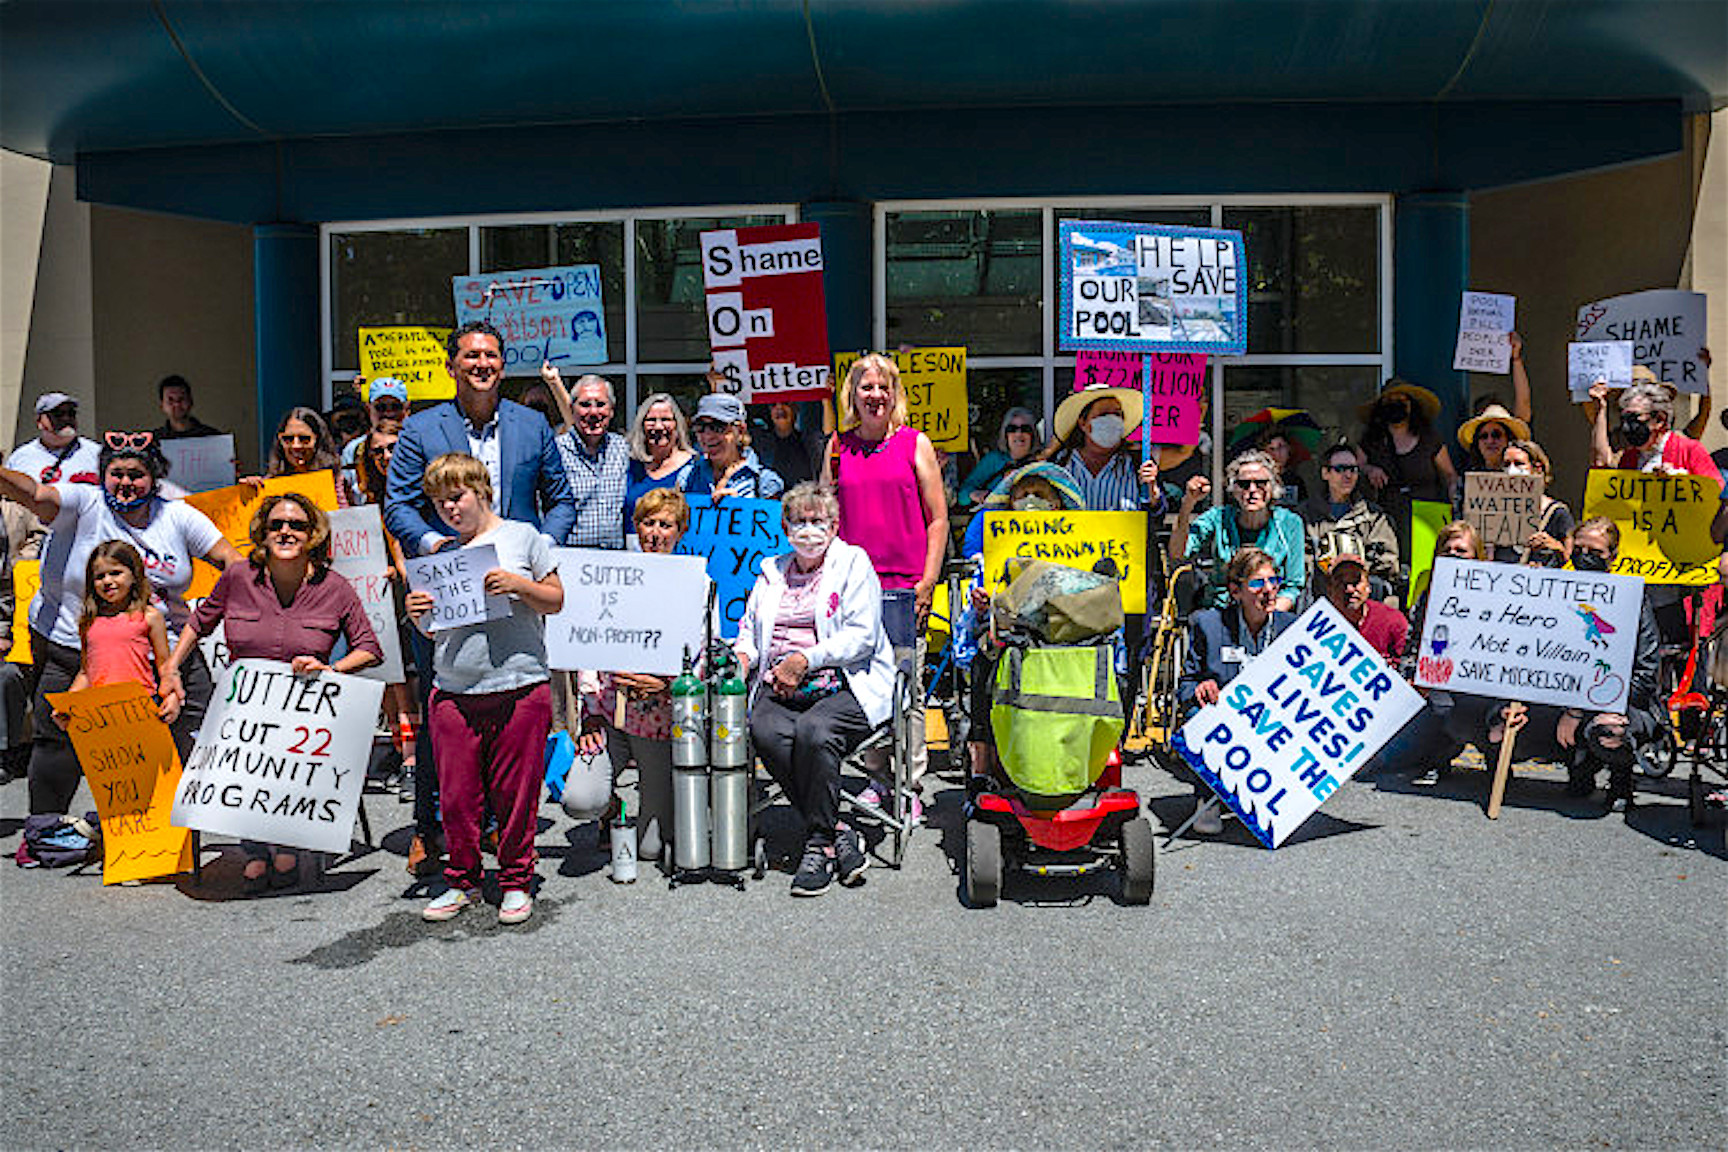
[
  {"x": 231, "y": 510},
  {"x": 1588, "y": 361},
  {"x": 934, "y": 380},
  {"x": 1174, "y": 390},
  {"x": 357, "y": 540},
  {"x": 1504, "y": 509},
  {"x": 129, "y": 761},
  {"x": 455, "y": 578},
  {"x": 1152, "y": 288},
  {"x": 767, "y": 321},
  {"x": 1666, "y": 328},
  {"x": 543, "y": 314},
  {"x": 200, "y": 463},
  {"x": 1540, "y": 635},
  {"x": 281, "y": 758},
  {"x": 1427, "y": 517},
  {"x": 26, "y": 580},
  {"x": 359, "y": 554},
  {"x": 413, "y": 355},
  {"x": 1664, "y": 523},
  {"x": 1093, "y": 368},
  {"x": 1072, "y": 539},
  {"x": 733, "y": 539},
  {"x": 1484, "y": 318},
  {"x": 1297, "y": 721},
  {"x": 627, "y": 611}
]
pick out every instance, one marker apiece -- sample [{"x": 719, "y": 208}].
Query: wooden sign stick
[{"x": 1514, "y": 719}]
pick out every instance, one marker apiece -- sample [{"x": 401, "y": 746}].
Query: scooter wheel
[
  {"x": 983, "y": 864},
  {"x": 1138, "y": 861}
]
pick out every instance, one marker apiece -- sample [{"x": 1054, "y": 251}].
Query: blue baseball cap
[{"x": 386, "y": 386}]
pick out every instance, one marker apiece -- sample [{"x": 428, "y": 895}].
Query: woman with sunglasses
[
  {"x": 1486, "y": 436},
  {"x": 302, "y": 445},
  {"x": 1223, "y": 639},
  {"x": 1250, "y": 519},
  {"x": 726, "y": 466},
  {"x": 169, "y": 534},
  {"x": 287, "y": 605},
  {"x": 1340, "y": 519},
  {"x": 1015, "y": 443}
]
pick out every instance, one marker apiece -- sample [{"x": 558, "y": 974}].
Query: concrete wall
[
  {"x": 58, "y": 348},
  {"x": 23, "y": 205},
  {"x": 1706, "y": 267}
]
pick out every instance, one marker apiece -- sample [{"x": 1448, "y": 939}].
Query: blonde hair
[
  {"x": 668, "y": 500},
  {"x": 454, "y": 471},
  {"x": 638, "y": 437},
  {"x": 1458, "y": 529},
  {"x": 889, "y": 371}
]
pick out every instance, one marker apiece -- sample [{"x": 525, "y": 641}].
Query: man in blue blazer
[{"x": 528, "y": 478}]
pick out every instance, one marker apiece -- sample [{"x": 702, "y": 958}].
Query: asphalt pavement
[{"x": 1403, "y": 974}]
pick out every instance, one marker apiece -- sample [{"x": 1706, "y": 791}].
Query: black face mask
[
  {"x": 1395, "y": 413},
  {"x": 1587, "y": 561},
  {"x": 1636, "y": 431}
]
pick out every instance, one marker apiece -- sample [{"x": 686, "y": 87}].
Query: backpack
[{"x": 52, "y": 841}]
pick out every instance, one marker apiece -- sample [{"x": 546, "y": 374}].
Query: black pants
[
  {"x": 803, "y": 748},
  {"x": 54, "y": 770},
  {"x": 426, "y": 822}
]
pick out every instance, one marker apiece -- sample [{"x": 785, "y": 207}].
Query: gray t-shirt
[{"x": 508, "y": 653}]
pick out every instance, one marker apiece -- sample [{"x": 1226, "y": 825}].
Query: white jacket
[{"x": 849, "y": 632}]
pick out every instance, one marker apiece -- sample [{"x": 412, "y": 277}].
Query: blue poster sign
[
  {"x": 544, "y": 314},
  {"x": 1152, "y": 288}
]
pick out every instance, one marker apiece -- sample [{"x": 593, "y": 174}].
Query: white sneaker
[
  {"x": 1210, "y": 822},
  {"x": 516, "y": 907},
  {"x": 447, "y": 906}
]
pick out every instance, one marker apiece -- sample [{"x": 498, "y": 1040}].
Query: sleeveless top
[
  {"x": 877, "y": 485},
  {"x": 117, "y": 651}
]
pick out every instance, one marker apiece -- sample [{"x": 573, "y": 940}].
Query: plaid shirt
[{"x": 598, "y": 482}]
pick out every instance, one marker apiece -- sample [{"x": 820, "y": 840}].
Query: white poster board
[
  {"x": 200, "y": 463},
  {"x": 1538, "y": 635},
  {"x": 1588, "y": 361},
  {"x": 456, "y": 579},
  {"x": 281, "y": 758},
  {"x": 1666, "y": 328},
  {"x": 359, "y": 554},
  {"x": 627, "y": 611},
  {"x": 1484, "y": 319},
  {"x": 1504, "y": 509},
  {"x": 1298, "y": 721}
]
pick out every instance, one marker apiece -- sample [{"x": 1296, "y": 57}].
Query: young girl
[
  {"x": 124, "y": 638},
  {"x": 491, "y": 699}
]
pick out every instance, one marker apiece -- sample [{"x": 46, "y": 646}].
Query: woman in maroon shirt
[{"x": 285, "y": 605}]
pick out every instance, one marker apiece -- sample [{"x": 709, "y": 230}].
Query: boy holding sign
[{"x": 492, "y": 699}]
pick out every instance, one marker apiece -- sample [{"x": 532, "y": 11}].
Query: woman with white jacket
[{"x": 822, "y": 672}]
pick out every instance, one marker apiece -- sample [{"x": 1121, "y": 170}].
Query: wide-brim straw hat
[
  {"x": 1068, "y": 412},
  {"x": 1493, "y": 414},
  {"x": 1643, "y": 375},
  {"x": 1418, "y": 395}
]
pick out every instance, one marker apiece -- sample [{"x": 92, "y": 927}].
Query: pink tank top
[
  {"x": 880, "y": 512},
  {"x": 117, "y": 651}
]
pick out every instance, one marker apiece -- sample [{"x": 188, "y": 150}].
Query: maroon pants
[{"x": 491, "y": 746}]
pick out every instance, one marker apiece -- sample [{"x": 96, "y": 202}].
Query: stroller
[{"x": 1056, "y": 713}]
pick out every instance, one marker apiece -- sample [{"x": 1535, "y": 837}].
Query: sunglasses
[
  {"x": 1343, "y": 468},
  {"x": 710, "y": 426},
  {"x": 1262, "y": 583},
  {"x": 135, "y": 440},
  {"x": 298, "y": 438},
  {"x": 1248, "y": 482},
  {"x": 1026, "y": 428},
  {"x": 1492, "y": 432},
  {"x": 65, "y": 414},
  {"x": 284, "y": 524}
]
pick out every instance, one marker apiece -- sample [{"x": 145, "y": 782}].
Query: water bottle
[{"x": 623, "y": 848}]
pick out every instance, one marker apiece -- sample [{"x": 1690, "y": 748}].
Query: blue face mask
[{"x": 121, "y": 507}]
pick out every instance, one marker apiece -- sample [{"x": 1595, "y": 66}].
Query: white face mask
[
  {"x": 1518, "y": 470},
  {"x": 1107, "y": 430},
  {"x": 1033, "y": 504},
  {"x": 810, "y": 541}
]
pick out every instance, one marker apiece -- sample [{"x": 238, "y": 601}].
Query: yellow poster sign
[
  {"x": 1072, "y": 539},
  {"x": 1664, "y": 523},
  {"x": 128, "y": 757},
  {"x": 1427, "y": 517},
  {"x": 414, "y": 355},
  {"x": 231, "y": 509},
  {"x": 934, "y": 380},
  {"x": 26, "y": 579}
]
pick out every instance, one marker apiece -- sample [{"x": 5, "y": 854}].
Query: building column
[
  {"x": 846, "y": 262},
  {"x": 1431, "y": 258},
  {"x": 285, "y": 320}
]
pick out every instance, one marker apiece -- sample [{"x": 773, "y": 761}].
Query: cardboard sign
[
  {"x": 1174, "y": 391},
  {"x": 1484, "y": 319},
  {"x": 414, "y": 355},
  {"x": 1427, "y": 517},
  {"x": 26, "y": 581},
  {"x": 129, "y": 761},
  {"x": 733, "y": 539},
  {"x": 231, "y": 510},
  {"x": 627, "y": 611},
  {"x": 543, "y": 314},
  {"x": 1297, "y": 722},
  {"x": 456, "y": 579},
  {"x": 1666, "y": 328},
  {"x": 1505, "y": 510},
  {"x": 1591, "y": 360},
  {"x": 281, "y": 758},
  {"x": 1072, "y": 539},
  {"x": 1540, "y": 635},
  {"x": 1664, "y": 523},
  {"x": 934, "y": 380},
  {"x": 1152, "y": 288},
  {"x": 200, "y": 463},
  {"x": 767, "y": 321}
]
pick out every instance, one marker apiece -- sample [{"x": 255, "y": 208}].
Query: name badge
[{"x": 1233, "y": 656}]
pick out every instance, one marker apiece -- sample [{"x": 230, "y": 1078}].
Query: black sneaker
[
  {"x": 405, "y": 786},
  {"x": 815, "y": 873},
  {"x": 849, "y": 858}
]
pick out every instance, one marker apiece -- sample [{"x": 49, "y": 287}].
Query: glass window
[
  {"x": 687, "y": 388},
  {"x": 1314, "y": 278},
  {"x": 671, "y": 319},
  {"x": 557, "y": 245},
  {"x": 1329, "y": 392},
  {"x": 385, "y": 278},
  {"x": 990, "y": 393},
  {"x": 971, "y": 278}
]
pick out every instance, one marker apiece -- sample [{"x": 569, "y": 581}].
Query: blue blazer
[
  {"x": 1213, "y": 634},
  {"x": 536, "y": 487}
]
